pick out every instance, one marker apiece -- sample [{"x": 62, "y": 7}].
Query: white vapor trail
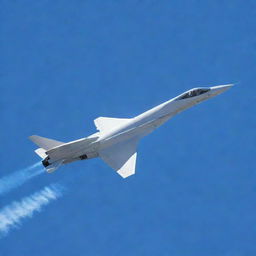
[
  {"x": 12, "y": 215},
  {"x": 17, "y": 178}
]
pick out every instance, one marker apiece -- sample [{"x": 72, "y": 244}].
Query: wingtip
[
  {"x": 31, "y": 137},
  {"x": 125, "y": 174}
]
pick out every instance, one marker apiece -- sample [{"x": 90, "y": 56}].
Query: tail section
[
  {"x": 54, "y": 166},
  {"x": 41, "y": 153},
  {"x": 44, "y": 143}
]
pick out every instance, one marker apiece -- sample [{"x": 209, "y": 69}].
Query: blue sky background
[{"x": 64, "y": 63}]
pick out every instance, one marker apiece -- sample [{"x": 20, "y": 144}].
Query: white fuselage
[
  {"x": 136, "y": 127},
  {"x": 148, "y": 121}
]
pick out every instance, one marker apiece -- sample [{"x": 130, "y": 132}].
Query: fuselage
[
  {"x": 136, "y": 127},
  {"x": 148, "y": 121}
]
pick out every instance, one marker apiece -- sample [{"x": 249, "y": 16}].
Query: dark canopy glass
[{"x": 192, "y": 93}]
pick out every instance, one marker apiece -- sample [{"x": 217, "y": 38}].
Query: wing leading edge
[
  {"x": 108, "y": 123},
  {"x": 121, "y": 157}
]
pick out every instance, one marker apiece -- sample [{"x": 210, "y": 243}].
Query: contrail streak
[
  {"x": 12, "y": 215},
  {"x": 17, "y": 178}
]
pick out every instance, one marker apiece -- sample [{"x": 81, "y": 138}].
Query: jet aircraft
[{"x": 117, "y": 138}]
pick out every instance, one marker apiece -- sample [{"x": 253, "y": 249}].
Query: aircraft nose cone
[{"x": 220, "y": 88}]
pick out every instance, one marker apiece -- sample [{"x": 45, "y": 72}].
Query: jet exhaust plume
[
  {"x": 18, "y": 178},
  {"x": 11, "y": 216}
]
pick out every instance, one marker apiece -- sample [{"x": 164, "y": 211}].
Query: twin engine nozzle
[{"x": 45, "y": 162}]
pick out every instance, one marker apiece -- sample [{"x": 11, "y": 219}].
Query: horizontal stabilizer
[
  {"x": 108, "y": 123},
  {"x": 44, "y": 142},
  {"x": 41, "y": 153}
]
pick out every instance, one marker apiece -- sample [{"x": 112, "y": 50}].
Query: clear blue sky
[{"x": 64, "y": 63}]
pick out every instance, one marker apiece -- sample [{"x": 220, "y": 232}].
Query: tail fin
[{"x": 44, "y": 142}]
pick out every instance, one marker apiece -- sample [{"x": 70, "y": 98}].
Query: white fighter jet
[{"x": 117, "y": 138}]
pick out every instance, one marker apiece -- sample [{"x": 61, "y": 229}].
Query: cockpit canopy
[{"x": 193, "y": 93}]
